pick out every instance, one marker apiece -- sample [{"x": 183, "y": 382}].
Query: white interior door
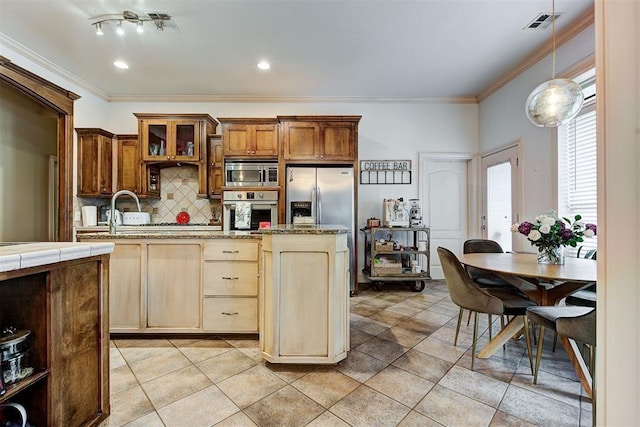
[
  {"x": 444, "y": 198},
  {"x": 500, "y": 195}
]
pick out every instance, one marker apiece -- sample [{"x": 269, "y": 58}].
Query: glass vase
[{"x": 551, "y": 255}]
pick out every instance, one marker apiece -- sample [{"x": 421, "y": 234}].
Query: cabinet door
[
  {"x": 338, "y": 141},
  {"x": 125, "y": 278},
  {"x": 304, "y": 324},
  {"x": 129, "y": 164},
  {"x": 95, "y": 160},
  {"x": 154, "y": 134},
  {"x": 300, "y": 140},
  {"x": 265, "y": 140},
  {"x": 185, "y": 140},
  {"x": 173, "y": 285},
  {"x": 215, "y": 166},
  {"x": 236, "y": 139}
]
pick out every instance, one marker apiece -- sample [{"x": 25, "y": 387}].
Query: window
[{"x": 577, "y": 172}]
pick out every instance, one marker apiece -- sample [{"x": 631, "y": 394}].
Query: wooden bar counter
[{"x": 59, "y": 292}]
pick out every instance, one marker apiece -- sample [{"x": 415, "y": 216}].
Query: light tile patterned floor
[{"x": 403, "y": 370}]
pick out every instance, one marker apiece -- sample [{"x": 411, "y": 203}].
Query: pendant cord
[{"x": 553, "y": 39}]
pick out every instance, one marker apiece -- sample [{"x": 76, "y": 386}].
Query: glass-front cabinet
[{"x": 179, "y": 138}]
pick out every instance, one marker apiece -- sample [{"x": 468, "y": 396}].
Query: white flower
[
  {"x": 514, "y": 227},
  {"x": 534, "y": 235},
  {"x": 588, "y": 233},
  {"x": 544, "y": 228},
  {"x": 539, "y": 219},
  {"x": 548, "y": 220}
]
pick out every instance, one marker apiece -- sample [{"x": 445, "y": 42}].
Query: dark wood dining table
[{"x": 545, "y": 284}]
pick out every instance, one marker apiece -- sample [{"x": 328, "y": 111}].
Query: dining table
[{"x": 546, "y": 284}]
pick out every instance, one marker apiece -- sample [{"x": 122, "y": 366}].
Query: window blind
[{"x": 578, "y": 174}]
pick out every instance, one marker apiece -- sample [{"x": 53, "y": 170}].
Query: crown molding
[
  {"x": 578, "y": 25},
  {"x": 45, "y": 63},
  {"x": 289, "y": 99}
]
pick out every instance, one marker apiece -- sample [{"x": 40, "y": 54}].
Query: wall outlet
[{"x": 76, "y": 216}]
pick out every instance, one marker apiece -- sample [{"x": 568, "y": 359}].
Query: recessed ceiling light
[
  {"x": 121, "y": 64},
  {"x": 264, "y": 65}
]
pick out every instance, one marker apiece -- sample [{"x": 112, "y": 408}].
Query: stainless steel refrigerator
[{"x": 328, "y": 195}]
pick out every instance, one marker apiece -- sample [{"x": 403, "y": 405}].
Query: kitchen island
[
  {"x": 183, "y": 281},
  {"x": 59, "y": 293},
  {"x": 304, "y": 290}
]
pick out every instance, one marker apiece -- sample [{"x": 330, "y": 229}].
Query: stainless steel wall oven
[{"x": 245, "y": 210}]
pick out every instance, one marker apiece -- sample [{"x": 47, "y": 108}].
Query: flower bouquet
[{"x": 550, "y": 234}]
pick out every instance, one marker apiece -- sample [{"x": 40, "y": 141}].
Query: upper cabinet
[
  {"x": 128, "y": 163},
  {"x": 320, "y": 138},
  {"x": 250, "y": 137},
  {"x": 132, "y": 174},
  {"x": 95, "y": 162},
  {"x": 174, "y": 137},
  {"x": 215, "y": 166}
]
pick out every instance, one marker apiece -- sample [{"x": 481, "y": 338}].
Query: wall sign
[{"x": 385, "y": 171}]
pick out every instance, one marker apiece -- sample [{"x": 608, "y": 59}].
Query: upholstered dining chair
[
  {"x": 484, "y": 278},
  {"x": 575, "y": 322},
  {"x": 466, "y": 294}
]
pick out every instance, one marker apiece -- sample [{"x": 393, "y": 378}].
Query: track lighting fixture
[{"x": 115, "y": 21}]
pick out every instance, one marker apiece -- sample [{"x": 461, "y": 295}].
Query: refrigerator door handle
[
  {"x": 314, "y": 200},
  {"x": 319, "y": 198}
]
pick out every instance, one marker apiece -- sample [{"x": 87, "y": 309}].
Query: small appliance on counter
[
  {"x": 395, "y": 213},
  {"x": 415, "y": 213}
]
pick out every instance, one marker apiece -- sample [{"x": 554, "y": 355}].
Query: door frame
[
  {"x": 471, "y": 160},
  {"x": 519, "y": 200}
]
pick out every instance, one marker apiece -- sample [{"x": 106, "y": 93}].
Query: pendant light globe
[{"x": 554, "y": 103}]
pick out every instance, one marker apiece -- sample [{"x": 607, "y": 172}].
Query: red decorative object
[{"x": 183, "y": 218}]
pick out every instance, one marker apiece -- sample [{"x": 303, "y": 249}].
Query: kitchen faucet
[{"x": 112, "y": 218}]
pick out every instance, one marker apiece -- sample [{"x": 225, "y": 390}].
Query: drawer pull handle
[
  {"x": 230, "y": 252},
  {"x": 230, "y": 278},
  {"x": 235, "y": 313}
]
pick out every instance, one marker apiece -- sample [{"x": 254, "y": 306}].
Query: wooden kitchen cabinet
[
  {"x": 215, "y": 166},
  {"x": 173, "y": 285},
  {"x": 128, "y": 164},
  {"x": 64, "y": 305},
  {"x": 319, "y": 138},
  {"x": 125, "y": 292},
  {"x": 230, "y": 288},
  {"x": 95, "y": 162},
  {"x": 174, "y": 137},
  {"x": 304, "y": 289},
  {"x": 250, "y": 137}
]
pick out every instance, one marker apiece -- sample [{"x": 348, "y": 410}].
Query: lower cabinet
[
  {"x": 184, "y": 285},
  {"x": 173, "y": 285},
  {"x": 305, "y": 298},
  {"x": 230, "y": 288}
]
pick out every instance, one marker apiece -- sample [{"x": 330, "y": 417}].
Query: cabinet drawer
[
  {"x": 231, "y": 250},
  {"x": 230, "y": 314},
  {"x": 230, "y": 278}
]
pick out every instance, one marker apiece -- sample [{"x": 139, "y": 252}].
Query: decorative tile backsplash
[{"x": 178, "y": 193}]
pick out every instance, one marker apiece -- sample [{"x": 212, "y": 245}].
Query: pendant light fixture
[{"x": 556, "y": 101}]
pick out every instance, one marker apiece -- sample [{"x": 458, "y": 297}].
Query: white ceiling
[{"x": 335, "y": 49}]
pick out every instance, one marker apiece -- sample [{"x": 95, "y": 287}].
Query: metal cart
[{"x": 406, "y": 251}]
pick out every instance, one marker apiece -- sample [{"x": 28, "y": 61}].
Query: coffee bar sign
[{"x": 385, "y": 171}]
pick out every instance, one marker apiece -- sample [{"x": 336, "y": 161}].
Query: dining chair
[
  {"x": 466, "y": 294},
  {"x": 575, "y": 322},
  {"x": 484, "y": 278}
]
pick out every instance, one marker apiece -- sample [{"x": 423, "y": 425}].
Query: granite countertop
[
  {"x": 306, "y": 229},
  {"x": 170, "y": 234},
  {"x": 147, "y": 233},
  {"x": 16, "y": 256}
]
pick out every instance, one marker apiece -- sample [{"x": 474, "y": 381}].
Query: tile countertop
[{"x": 15, "y": 256}]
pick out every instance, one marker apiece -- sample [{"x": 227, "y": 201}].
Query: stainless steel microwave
[{"x": 250, "y": 174}]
